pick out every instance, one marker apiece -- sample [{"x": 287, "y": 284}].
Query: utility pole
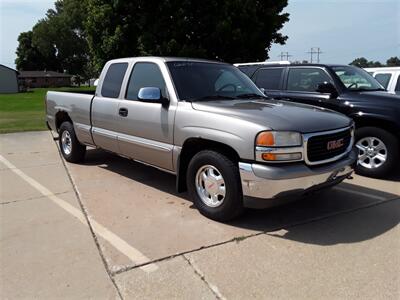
[
  {"x": 314, "y": 50},
  {"x": 318, "y": 53},
  {"x": 284, "y": 55}
]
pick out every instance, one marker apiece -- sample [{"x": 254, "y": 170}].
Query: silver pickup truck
[{"x": 206, "y": 122}]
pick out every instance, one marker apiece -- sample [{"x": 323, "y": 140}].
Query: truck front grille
[{"x": 325, "y": 147}]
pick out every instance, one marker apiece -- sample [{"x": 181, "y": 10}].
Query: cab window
[
  {"x": 144, "y": 75},
  {"x": 306, "y": 79},
  {"x": 113, "y": 80}
]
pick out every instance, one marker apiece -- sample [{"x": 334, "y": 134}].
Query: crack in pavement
[
  {"x": 214, "y": 289},
  {"x": 244, "y": 237}
]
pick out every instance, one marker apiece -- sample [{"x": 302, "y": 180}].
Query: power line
[
  {"x": 285, "y": 55},
  {"x": 314, "y": 50}
]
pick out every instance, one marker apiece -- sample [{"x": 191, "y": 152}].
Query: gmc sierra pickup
[{"x": 207, "y": 123}]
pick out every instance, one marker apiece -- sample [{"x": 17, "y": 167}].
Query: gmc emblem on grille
[{"x": 331, "y": 145}]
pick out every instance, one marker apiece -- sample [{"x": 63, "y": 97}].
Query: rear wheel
[
  {"x": 71, "y": 149},
  {"x": 214, "y": 185},
  {"x": 378, "y": 151}
]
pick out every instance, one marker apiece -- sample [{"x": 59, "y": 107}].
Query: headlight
[
  {"x": 278, "y": 139},
  {"x": 279, "y": 146}
]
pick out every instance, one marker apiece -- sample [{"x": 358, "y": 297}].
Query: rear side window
[
  {"x": 113, "y": 80},
  {"x": 269, "y": 79},
  {"x": 144, "y": 75},
  {"x": 383, "y": 79},
  {"x": 307, "y": 80}
]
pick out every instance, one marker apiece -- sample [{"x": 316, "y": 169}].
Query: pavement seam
[
  {"x": 84, "y": 211},
  {"x": 213, "y": 288},
  {"x": 244, "y": 237}
]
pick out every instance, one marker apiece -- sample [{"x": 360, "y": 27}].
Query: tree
[
  {"x": 112, "y": 29},
  {"x": 228, "y": 30},
  {"x": 393, "y": 62},
  {"x": 28, "y": 57},
  {"x": 361, "y": 62},
  {"x": 59, "y": 39}
]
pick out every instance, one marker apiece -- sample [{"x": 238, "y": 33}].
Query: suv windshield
[
  {"x": 355, "y": 79},
  {"x": 201, "y": 81}
]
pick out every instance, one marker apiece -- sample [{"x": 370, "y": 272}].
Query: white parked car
[{"x": 389, "y": 77}]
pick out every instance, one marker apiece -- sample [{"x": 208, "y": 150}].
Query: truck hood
[{"x": 277, "y": 115}]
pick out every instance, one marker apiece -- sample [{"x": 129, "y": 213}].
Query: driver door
[
  {"x": 146, "y": 128},
  {"x": 301, "y": 85}
]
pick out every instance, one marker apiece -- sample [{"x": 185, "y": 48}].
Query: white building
[{"x": 8, "y": 80}]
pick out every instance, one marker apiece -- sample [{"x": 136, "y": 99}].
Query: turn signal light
[
  {"x": 265, "y": 139},
  {"x": 281, "y": 156},
  {"x": 268, "y": 156}
]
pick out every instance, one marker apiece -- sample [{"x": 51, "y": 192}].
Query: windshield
[
  {"x": 198, "y": 81},
  {"x": 355, "y": 79}
]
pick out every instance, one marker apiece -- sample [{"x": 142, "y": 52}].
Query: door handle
[{"x": 123, "y": 112}]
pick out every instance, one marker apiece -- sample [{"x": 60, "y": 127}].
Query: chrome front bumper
[{"x": 277, "y": 181}]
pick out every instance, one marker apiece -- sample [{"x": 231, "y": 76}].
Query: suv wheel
[
  {"x": 378, "y": 151},
  {"x": 214, "y": 185},
  {"x": 71, "y": 149}
]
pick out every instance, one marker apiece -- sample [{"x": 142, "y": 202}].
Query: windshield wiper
[
  {"x": 250, "y": 95},
  {"x": 212, "y": 97}
]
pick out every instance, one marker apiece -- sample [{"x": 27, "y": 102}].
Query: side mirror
[
  {"x": 152, "y": 94},
  {"x": 327, "y": 88}
]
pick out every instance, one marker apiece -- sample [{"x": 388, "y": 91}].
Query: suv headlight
[{"x": 279, "y": 146}]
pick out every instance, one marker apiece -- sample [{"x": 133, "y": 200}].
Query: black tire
[
  {"x": 78, "y": 150},
  {"x": 392, "y": 145},
  {"x": 232, "y": 204}
]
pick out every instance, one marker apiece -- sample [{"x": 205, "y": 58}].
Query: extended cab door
[
  {"x": 301, "y": 85},
  {"x": 104, "y": 112},
  {"x": 145, "y": 129}
]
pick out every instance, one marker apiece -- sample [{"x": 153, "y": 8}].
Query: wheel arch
[
  {"x": 194, "y": 145},
  {"x": 382, "y": 123},
  {"x": 61, "y": 117}
]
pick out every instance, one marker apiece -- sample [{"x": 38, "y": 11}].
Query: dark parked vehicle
[{"x": 346, "y": 89}]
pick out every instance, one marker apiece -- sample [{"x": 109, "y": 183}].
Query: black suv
[{"x": 346, "y": 89}]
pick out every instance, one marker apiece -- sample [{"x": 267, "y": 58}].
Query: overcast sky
[{"x": 343, "y": 29}]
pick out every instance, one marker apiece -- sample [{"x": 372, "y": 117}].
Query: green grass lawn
[{"x": 25, "y": 111}]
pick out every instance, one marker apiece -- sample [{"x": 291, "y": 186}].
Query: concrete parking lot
[{"x": 112, "y": 228}]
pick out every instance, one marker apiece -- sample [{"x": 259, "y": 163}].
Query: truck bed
[{"x": 76, "y": 105}]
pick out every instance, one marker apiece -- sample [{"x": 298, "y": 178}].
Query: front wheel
[
  {"x": 378, "y": 151},
  {"x": 71, "y": 149},
  {"x": 214, "y": 185}
]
